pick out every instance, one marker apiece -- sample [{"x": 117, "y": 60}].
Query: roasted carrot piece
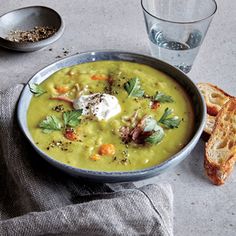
[
  {"x": 61, "y": 89},
  {"x": 107, "y": 149},
  {"x": 99, "y": 77},
  {"x": 155, "y": 105},
  {"x": 95, "y": 157},
  {"x": 70, "y": 134}
]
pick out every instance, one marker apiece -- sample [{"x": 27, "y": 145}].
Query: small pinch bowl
[
  {"x": 25, "y": 19},
  {"x": 109, "y": 177}
]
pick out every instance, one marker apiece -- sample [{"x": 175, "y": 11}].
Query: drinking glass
[{"x": 176, "y": 28}]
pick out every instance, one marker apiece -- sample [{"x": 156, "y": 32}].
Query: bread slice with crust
[
  {"x": 220, "y": 151},
  {"x": 214, "y": 97},
  {"x": 210, "y": 123},
  {"x": 209, "y": 126}
]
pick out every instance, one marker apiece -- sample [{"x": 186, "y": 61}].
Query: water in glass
[{"x": 176, "y": 52}]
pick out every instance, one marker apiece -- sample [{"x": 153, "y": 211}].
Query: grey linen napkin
[{"x": 37, "y": 199}]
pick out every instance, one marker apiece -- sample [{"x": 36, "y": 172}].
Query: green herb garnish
[
  {"x": 161, "y": 97},
  {"x": 156, "y": 137},
  {"x": 71, "y": 118},
  {"x": 36, "y": 89},
  {"x": 150, "y": 124},
  {"x": 50, "y": 124},
  {"x": 157, "y": 131},
  {"x": 170, "y": 123},
  {"x": 133, "y": 88}
]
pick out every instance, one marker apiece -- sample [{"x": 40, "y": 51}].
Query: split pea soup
[{"x": 110, "y": 116}]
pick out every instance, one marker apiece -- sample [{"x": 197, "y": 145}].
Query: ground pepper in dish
[{"x": 36, "y": 34}]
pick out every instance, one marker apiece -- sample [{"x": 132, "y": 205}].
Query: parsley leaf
[
  {"x": 36, "y": 89},
  {"x": 71, "y": 118},
  {"x": 170, "y": 123},
  {"x": 133, "y": 88},
  {"x": 49, "y": 124},
  {"x": 156, "y": 137},
  {"x": 157, "y": 131},
  {"x": 150, "y": 124},
  {"x": 167, "y": 112},
  {"x": 161, "y": 97}
]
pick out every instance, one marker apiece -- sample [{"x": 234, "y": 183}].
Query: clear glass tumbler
[{"x": 176, "y": 28}]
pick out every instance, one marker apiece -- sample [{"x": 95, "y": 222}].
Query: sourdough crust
[
  {"x": 209, "y": 126},
  {"x": 210, "y": 123},
  {"x": 219, "y": 170},
  {"x": 219, "y": 173},
  {"x": 212, "y": 109}
]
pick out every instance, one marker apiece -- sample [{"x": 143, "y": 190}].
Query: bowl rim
[
  {"x": 125, "y": 174},
  {"x": 26, "y": 46}
]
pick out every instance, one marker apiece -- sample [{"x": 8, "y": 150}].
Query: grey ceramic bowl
[
  {"x": 25, "y": 19},
  {"x": 101, "y": 176}
]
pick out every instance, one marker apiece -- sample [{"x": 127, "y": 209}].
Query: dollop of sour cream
[{"x": 100, "y": 105}]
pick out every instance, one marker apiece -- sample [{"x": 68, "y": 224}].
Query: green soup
[{"x": 82, "y": 147}]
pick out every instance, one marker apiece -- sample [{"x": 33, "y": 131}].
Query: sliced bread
[
  {"x": 214, "y": 97},
  {"x": 210, "y": 123},
  {"x": 209, "y": 126},
  {"x": 220, "y": 151}
]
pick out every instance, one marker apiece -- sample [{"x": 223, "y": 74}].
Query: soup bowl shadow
[{"x": 111, "y": 177}]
